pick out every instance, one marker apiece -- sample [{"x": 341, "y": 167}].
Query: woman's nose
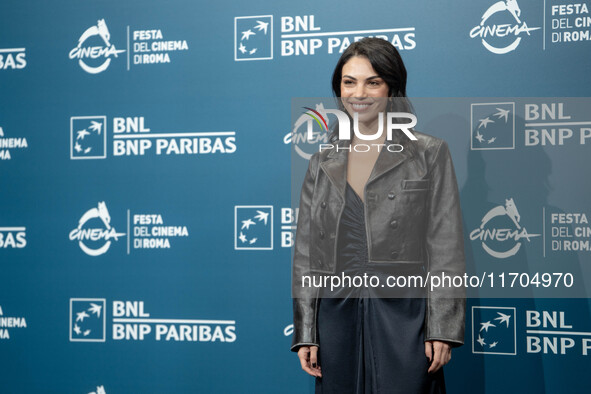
[{"x": 360, "y": 90}]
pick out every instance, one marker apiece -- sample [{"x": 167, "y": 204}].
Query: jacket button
[
  {"x": 391, "y": 196},
  {"x": 321, "y": 234},
  {"x": 323, "y": 204},
  {"x": 394, "y": 223},
  {"x": 394, "y": 255}
]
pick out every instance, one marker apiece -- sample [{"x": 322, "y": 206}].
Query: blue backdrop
[{"x": 137, "y": 137}]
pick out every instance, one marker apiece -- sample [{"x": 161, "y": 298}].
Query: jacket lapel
[
  {"x": 387, "y": 161},
  {"x": 335, "y": 165}
]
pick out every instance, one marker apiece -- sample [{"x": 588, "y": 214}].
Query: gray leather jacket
[{"x": 412, "y": 214}]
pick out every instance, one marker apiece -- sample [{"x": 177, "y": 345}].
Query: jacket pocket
[{"x": 420, "y": 184}]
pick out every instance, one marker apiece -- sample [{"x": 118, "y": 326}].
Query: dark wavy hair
[{"x": 388, "y": 64}]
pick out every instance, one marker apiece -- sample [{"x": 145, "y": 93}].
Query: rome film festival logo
[
  {"x": 253, "y": 227},
  {"x": 87, "y": 319},
  {"x": 253, "y": 37},
  {"x": 96, "y": 48},
  {"x": 98, "y": 238},
  {"x": 500, "y": 34},
  {"x": 494, "y": 330},
  {"x": 488, "y": 233},
  {"x": 99, "y": 390},
  {"x": 88, "y": 137},
  {"x": 492, "y": 126}
]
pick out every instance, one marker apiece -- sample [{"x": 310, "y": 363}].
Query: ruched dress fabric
[{"x": 369, "y": 344}]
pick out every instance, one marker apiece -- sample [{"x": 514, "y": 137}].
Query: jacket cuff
[
  {"x": 446, "y": 319},
  {"x": 296, "y": 347}
]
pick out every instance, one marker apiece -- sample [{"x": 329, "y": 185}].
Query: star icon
[
  {"x": 80, "y": 316},
  {"x": 485, "y": 326},
  {"x": 80, "y": 134},
  {"x": 480, "y": 340},
  {"x": 246, "y": 224},
  {"x": 96, "y": 126},
  {"x": 262, "y": 216},
  {"x": 94, "y": 308},
  {"x": 246, "y": 34},
  {"x": 262, "y": 26},
  {"x": 479, "y": 136},
  {"x": 503, "y": 113},
  {"x": 484, "y": 122},
  {"x": 503, "y": 318}
]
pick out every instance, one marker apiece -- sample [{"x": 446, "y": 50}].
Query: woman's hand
[
  {"x": 309, "y": 359},
  {"x": 438, "y": 353}
]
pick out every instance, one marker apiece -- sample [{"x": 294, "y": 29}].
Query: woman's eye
[
  {"x": 375, "y": 83},
  {"x": 348, "y": 82}
]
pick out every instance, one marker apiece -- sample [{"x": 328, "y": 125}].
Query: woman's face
[{"x": 362, "y": 90}]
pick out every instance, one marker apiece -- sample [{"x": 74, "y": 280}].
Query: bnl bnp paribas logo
[
  {"x": 302, "y": 36},
  {"x": 253, "y": 227},
  {"x": 253, "y": 37},
  {"x": 130, "y": 136},
  {"x": 500, "y": 232},
  {"x": 87, "y": 320},
  {"x": 130, "y": 321},
  {"x": 13, "y": 58},
  {"x": 547, "y": 332},
  {"x": 501, "y": 27},
  {"x": 493, "y": 330},
  {"x": 88, "y": 137},
  {"x": 492, "y": 126}
]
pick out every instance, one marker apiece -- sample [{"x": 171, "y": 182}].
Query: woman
[{"x": 392, "y": 209}]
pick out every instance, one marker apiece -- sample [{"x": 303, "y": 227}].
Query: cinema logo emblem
[
  {"x": 497, "y": 32},
  {"x": 95, "y": 241},
  {"x": 89, "y": 57},
  {"x": 489, "y": 234},
  {"x": 99, "y": 390},
  {"x": 305, "y": 136}
]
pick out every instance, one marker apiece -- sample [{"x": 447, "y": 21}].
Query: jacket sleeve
[
  {"x": 446, "y": 305},
  {"x": 304, "y": 299}
]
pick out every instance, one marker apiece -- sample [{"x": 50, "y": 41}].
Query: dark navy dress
[{"x": 370, "y": 344}]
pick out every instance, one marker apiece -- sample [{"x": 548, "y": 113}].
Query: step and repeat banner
[{"x": 146, "y": 210}]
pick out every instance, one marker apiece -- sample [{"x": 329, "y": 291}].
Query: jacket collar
[{"x": 335, "y": 165}]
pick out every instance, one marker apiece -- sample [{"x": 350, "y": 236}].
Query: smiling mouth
[{"x": 357, "y": 107}]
